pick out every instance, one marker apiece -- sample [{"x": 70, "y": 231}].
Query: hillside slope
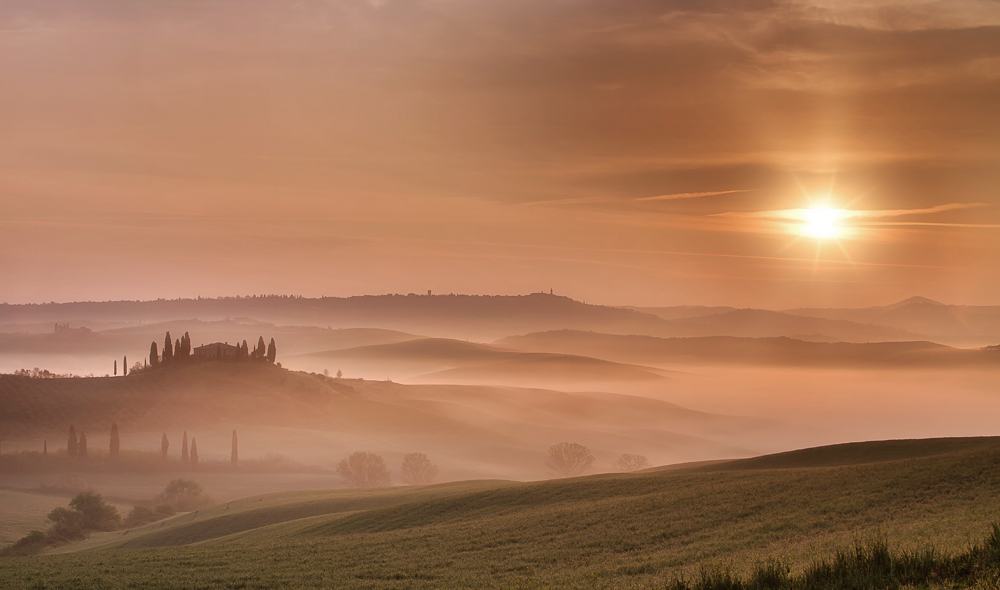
[
  {"x": 638, "y": 530},
  {"x": 473, "y": 431}
]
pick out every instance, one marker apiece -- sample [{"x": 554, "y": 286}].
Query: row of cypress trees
[
  {"x": 77, "y": 447},
  {"x": 192, "y": 455},
  {"x": 173, "y": 354},
  {"x": 180, "y": 352}
]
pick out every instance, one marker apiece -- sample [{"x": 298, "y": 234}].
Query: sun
[{"x": 822, "y": 223}]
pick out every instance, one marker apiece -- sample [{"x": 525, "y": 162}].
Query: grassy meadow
[{"x": 639, "y": 530}]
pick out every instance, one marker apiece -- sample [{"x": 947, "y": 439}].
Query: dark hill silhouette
[
  {"x": 768, "y": 351},
  {"x": 858, "y": 453}
]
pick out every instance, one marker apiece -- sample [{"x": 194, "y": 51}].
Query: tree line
[
  {"x": 77, "y": 446},
  {"x": 368, "y": 470}
]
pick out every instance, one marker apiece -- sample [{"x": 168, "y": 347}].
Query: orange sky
[{"x": 623, "y": 152}]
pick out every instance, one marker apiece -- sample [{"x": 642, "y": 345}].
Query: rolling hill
[
  {"x": 759, "y": 323},
  {"x": 762, "y": 351},
  {"x": 961, "y": 324},
  {"x": 474, "y": 431},
  {"x": 636, "y": 530},
  {"x": 441, "y": 360}
]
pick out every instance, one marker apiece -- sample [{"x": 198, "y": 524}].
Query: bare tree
[
  {"x": 418, "y": 470},
  {"x": 569, "y": 459},
  {"x": 364, "y": 470},
  {"x": 630, "y": 462}
]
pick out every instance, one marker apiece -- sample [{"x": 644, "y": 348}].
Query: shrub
[
  {"x": 185, "y": 495},
  {"x": 32, "y": 544},
  {"x": 140, "y": 515}
]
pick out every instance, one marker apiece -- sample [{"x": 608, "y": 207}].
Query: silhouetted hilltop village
[{"x": 180, "y": 352}]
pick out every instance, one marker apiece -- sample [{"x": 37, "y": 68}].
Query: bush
[
  {"x": 32, "y": 544},
  {"x": 97, "y": 514},
  {"x": 185, "y": 495},
  {"x": 140, "y": 515}
]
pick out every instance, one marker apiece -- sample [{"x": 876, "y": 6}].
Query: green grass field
[{"x": 609, "y": 531}]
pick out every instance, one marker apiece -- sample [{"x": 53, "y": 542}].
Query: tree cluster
[
  {"x": 368, "y": 470},
  {"x": 174, "y": 353}
]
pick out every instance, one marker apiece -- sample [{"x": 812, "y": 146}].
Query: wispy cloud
[
  {"x": 806, "y": 214},
  {"x": 675, "y": 196}
]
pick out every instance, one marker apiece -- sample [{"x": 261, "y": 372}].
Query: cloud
[
  {"x": 675, "y": 196},
  {"x": 806, "y": 214}
]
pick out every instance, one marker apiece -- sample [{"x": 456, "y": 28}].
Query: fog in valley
[{"x": 614, "y": 380}]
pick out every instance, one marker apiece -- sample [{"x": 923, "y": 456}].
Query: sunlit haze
[{"x": 619, "y": 153}]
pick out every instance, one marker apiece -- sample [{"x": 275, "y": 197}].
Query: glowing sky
[{"x": 623, "y": 151}]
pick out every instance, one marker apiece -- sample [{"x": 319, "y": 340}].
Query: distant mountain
[
  {"x": 453, "y": 361},
  {"x": 764, "y": 351},
  {"x": 481, "y": 318},
  {"x": 958, "y": 324},
  {"x": 454, "y": 316}
]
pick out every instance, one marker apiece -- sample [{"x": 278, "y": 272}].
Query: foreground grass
[{"x": 622, "y": 531}]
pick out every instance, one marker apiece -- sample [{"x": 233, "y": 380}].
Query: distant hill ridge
[{"x": 729, "y": 349}]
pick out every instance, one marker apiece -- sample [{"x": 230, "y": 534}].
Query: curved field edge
[{"x": 637, "y": 530}]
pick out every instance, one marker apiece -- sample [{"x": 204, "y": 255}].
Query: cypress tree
[
  {"x": 154, "y": 357},
  {"x": 194, "y": 452},
  {"x": 260, "y": 350},
  {"x": 45, "y": 448},
  {"x": 164, "y": 445},
  {"x": 235, "y": 457},
  {"x": 168, "y": 351},
  {"x": 178, "y": 358},
  {"x": 116, "y": 368},
  {"x": 124, "y": 366},
  {"x": 72, "y": 447},
  {"x": 272, "y": 351},
  {"x": 186, "y": 341},
  {"x": 184, "y": 448},
  {"x": 115, "y": 442},
  {"x": 82, "y": 447}
]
